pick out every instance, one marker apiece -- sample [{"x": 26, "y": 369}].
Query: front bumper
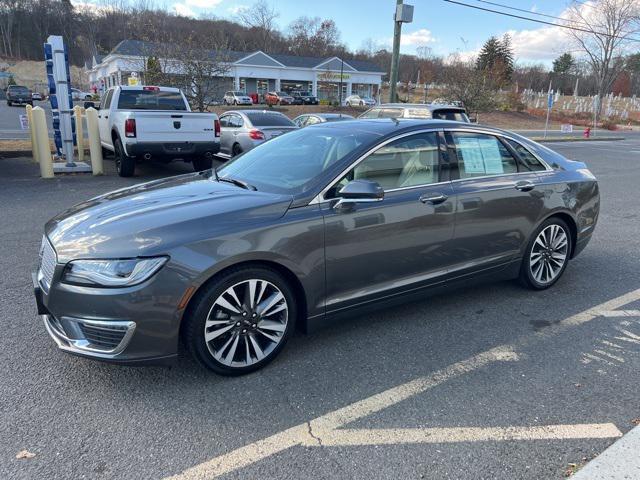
[
  {"x": 132, "y": 326},
  {"x": 185, "y": 150}
]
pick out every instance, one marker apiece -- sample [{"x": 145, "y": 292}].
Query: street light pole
[{"x": 395, "y": 57}]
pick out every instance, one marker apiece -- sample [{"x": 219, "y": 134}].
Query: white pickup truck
[{"x": 141, "y": 123}]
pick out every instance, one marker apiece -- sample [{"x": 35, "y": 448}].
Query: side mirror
[{"x": 360, "y": 191}]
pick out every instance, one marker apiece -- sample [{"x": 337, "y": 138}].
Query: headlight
[{"x": 111, "y": 273}]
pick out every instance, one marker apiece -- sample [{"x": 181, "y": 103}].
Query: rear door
[
  {"x": 378, "y": 250},
  {"x": 225, "y": 134},
  {"x": 498, "y": 201},
  {"x": 103, "y": 118}
]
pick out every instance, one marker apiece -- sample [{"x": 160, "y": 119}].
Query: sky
[{"x": 444, "y": 27}]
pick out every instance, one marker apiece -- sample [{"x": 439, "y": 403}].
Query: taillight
[
  {"x": 256, "y": 135},
  {"x": 130, "y": 128},
  {"x": 216, "y": 127},
  {"x": 151, "y": 89}
]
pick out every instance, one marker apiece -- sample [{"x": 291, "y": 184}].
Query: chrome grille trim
[{"x": 48, "y": 260}]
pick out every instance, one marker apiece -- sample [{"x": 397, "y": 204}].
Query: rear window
[
  {"x": 383, "y": 113},
  {"x": 265, "y": 119},
  {"x": 455, "y": 115},
  {"x": 150, "y": 100},
  {"x": 17, "y": 89}
]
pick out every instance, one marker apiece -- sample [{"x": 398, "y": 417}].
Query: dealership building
[{"x": 249, "y": 72}]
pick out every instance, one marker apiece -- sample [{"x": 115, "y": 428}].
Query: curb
[
  {"x": 620, "y": 461},
  {"x": 574, "y": 139}
]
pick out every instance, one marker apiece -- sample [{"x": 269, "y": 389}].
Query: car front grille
[
  {"x": 48, "y": 262},
  {"x": 106, "y": 337}
]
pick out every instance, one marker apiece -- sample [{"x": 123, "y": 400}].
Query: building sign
[
  {"x": 334, "y": 76},
  {"x": 566, "y": 128}
]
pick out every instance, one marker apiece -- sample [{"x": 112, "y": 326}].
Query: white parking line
[
  {"x": 396, "y": 436},
  {"x": 621, "y": 313},
  {"x": 326, "y": 427}
]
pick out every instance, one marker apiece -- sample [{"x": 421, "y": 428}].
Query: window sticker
[
  {"x": 491, "y": 154},
  {"x": 481, "y": 155}
]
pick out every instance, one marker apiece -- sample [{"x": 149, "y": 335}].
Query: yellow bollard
[
  {"x": 77, "y": 112},
  {"x": 42, "y": 143},
  {"x": 32, "y": 134},
  {"x": 95, "y": 147}
]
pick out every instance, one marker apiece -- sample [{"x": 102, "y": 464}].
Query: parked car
[
  {"x": 140, "y": 123},
  {"x": 358, "y": 101},
  {"x": 304, "y": 98},
  {"x": 80, "y": 95},
  {"x": 307, "y": 119},
  {"x": 418, "y": 111},
  {"x": 242, "y": 130},
  {"x": 278, "y": 98},
  {"x": 36, "y": 96},
  {"x": 17, "y": 94},
  {"x": 237, "y": 98},
  {"x": 310, "y": 226}
]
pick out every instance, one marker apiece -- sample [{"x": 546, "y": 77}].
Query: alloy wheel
[
  {"x": 549, "y": 254},
  {"x": 246, "y": 323}
]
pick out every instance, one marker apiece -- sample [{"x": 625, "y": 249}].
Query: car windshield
[
  {"x": 267, "y": 119},
  {"x": 150, "y": 100},
  {"x": 383, "y": 113},
  {"x": 239, "y": 94},
  {"x": 14, "y": 89},
  {"x": 289, "y": 164},
  {"x": 282, "y": 94}
]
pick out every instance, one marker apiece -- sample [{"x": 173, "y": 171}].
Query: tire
[
  {"x": 547, "y": 254},
  {"x": 236, "y": 150},
  {"x": 235, "y": 102},
  {"x": 348, "y": 104},
  {"x": 106, "y": 153},
  {"x": 125, "y": 165},
  {"x": 253, "y": 347},
  {"x": 9, "y": 104},
  {"x": 202, "y": 163}
]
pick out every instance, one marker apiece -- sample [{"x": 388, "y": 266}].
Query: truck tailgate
[{"x": 163, "y": 126}]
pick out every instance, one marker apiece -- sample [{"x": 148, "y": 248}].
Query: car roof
[
  {"x": 331, "y": 115},
  {"x": 427, "y": 106},
  {"x": 253, "y": 110},
  {"x": 392, "y": 126}
]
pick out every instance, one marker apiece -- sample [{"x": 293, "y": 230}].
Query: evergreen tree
[
  {"x": 564, "y": 64},
  {"x": 496, "y": 59}
]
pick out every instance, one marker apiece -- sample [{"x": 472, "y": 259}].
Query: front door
[
  {"x": 498, "y": 202},
  {"x": 377, "y": 250},
  {"x": 103, "y": 118}
]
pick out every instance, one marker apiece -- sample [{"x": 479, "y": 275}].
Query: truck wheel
[
  {"x": 202, "y": 163},
  {"x": 125, "y": 165}
]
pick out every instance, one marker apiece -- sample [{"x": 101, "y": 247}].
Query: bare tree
[
  {"x": 262, "y": 18},
  {"x": 465, "y": 84},
  {"x": 606, "y": 28}
]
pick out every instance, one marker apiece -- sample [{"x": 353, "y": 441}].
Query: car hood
[{"x": 152, "y": 218}]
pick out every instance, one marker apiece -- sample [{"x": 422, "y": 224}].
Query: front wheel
[
  {"x": 125, "y": 165},
  {"x": 547, "y": 255},
  {"x": 241, "y": 321},
  {"x": 202, "y": 163}
]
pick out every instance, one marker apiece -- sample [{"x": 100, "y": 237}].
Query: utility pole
[{"x": 404, "y": 14}]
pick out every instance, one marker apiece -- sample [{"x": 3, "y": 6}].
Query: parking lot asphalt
[{"x": 487, "y": 382}]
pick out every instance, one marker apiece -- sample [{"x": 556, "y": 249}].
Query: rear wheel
[
  {"x": 125, "y": 165},
  {"x": 9, "y": 104},
  {"x": 236, "y": 150},
  {"x": 547, "y": 255},
  {"x": 240, "y": 322},
  {"x": 202, "y": 163}
]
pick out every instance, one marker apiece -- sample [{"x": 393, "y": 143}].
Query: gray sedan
[
  {"x": 240, "y": 131},
  {"x": 308, "y": 227}
]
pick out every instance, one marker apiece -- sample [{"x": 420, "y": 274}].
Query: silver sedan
[{"x": 241, "y": 131}]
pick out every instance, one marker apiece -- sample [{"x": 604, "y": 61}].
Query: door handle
[
  {"x": 525, "y": 186},
  {"x": 433, "y": 199}
]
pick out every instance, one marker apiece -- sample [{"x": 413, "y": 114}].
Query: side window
[
  {"x": 236, "y": 121},
  {"x": 406, "y": 162},
  {"x": 312, "y": 120},
  {"x": 106, "y": 100},
  {"x": 529, "y": 161},
  {"x": 480, "y": 155},
  {"x": 224, "y": 121}
]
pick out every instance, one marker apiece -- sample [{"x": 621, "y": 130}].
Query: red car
[{"x": 278, "y": 98}]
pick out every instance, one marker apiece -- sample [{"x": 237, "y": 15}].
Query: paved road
[{"x": 457, "y": 386}]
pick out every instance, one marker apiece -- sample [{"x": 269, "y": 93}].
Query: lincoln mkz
[{"x": 309, "y": 227}]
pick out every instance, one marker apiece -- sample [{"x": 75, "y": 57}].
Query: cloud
[
  {"x": 419, "y": 37},
  {"x": 235, "y": 10},
  {"x": 183, "y": 10},
  {"x": 534, "y": 8},
  {"x": 203, "y": 3},
  {"x": 540, "y": 44}
]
